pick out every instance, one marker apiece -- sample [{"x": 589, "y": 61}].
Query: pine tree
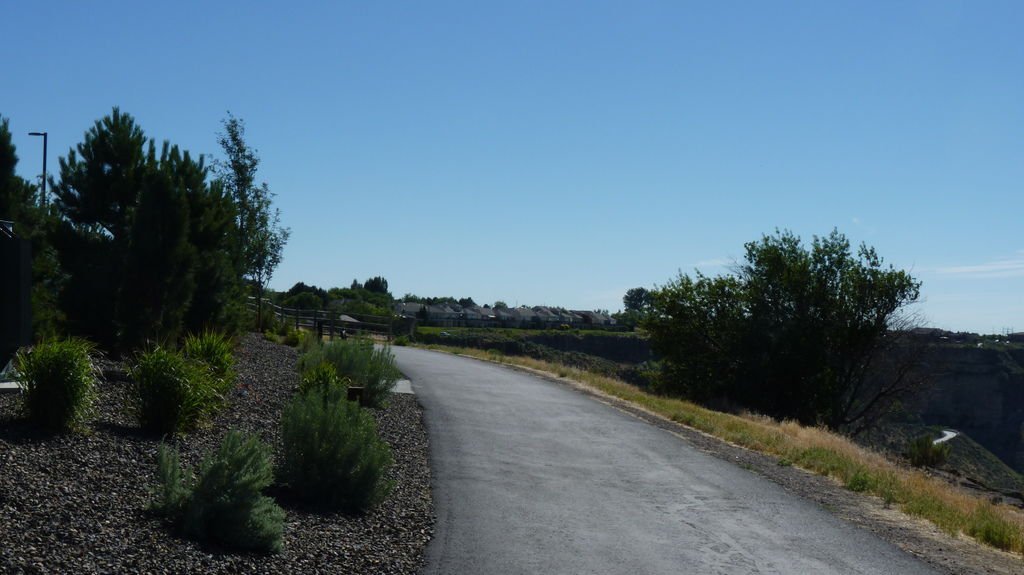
[
  {"x": 216, "y": 301},
  {"x": 97, "y": 195},
  {"x": 34, "y": 221},
  {"x": 158, "y": 277}
]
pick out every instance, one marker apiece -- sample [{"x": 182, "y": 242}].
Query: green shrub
[
  {"x": 215, "y": 351},
  {"x": 331, "y": 454},
  {"x": 283, "y": 327},
  {"x": 923, "y": 452},
  {"x": 359, "y": 361},
  {"x": 988, "y": 527},
  {"x": 225, "y": 503},
  {"x": 58, "y": 381},
  {"x": 323, "y": 379},
  {"x": 307, "y": 341},
  {"x": 292, "y": 338},
  {"x": 172, "y": 392},
  {"x": 173, "y": 488},
  {"x": 401, "y": 340}
]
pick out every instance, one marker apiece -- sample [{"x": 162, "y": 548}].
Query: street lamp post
[{"x": 43, "y": 134}]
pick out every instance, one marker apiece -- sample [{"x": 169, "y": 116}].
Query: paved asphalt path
[{"x": 532, "y": 477}]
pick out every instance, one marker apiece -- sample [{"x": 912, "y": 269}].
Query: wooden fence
[{"x": 331, "y": 323}]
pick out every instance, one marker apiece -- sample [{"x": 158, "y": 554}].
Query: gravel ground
[{"x": 77, "y": 503}]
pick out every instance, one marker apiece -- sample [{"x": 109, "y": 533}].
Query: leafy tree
[
  {"x": 360, "y": 301},
  {"x": 636, "y": 302},
  {"x": 261, "y": 236},
  {"x": 500, "y": 305},
  {"x": 303, "y": 300},
  {"x": 466, "y": 302},
  {"x": 376, "y": 284},
  {"x": 320, "y": 297},
  {"x": 637, "y": 299},
  {"x": 806, "y": 334},
  {"x": 356, "y": 284}
]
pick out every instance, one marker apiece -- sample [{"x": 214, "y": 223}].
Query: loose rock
[{"x": 78, "y": 503}]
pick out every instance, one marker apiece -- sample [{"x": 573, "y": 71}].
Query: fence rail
[{"x": 331, "y": 323}]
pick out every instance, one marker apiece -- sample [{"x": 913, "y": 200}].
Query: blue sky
[{"x": 563, "y": 152}]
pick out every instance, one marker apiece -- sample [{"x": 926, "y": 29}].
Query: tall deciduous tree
[
  {"x": 261, "y": 236},
  {"x": 794, "y": 333},
  {"x": 637, "y": 299}
]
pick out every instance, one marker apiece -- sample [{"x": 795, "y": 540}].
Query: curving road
[{"x": 532, "y": 477}]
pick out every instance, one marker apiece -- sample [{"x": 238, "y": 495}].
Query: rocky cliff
[{"x": 979, "y": 391}]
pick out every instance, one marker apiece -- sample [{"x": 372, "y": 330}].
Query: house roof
[{"x": 408, "y": 309}]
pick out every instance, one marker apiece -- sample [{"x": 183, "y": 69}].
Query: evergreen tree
[
  {"x": 97, "y": 194},
  {"x": 376, "y": 284},
  {"x": 33, "y": 221},
  {"x": 158, "y": 276},
  {"x": 16, "y": 194},
  {"x": 216, "y": 301}
]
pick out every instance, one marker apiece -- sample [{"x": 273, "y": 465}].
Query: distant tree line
[
  {"x": 143, "y": 242},
  {"x": 370, "y": 297}
]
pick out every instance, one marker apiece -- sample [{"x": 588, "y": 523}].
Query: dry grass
[{"x": 817, "y": 450}]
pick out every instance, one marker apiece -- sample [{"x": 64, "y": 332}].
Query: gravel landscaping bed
[{"x": 78, "y": 503}]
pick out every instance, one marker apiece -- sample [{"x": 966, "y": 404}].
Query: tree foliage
[
  {"x": 376, "y": 284},
  {"x": 260, "y": 234},
  {"x": 794, "y": 332},
  {"x": 16, "y": 194},
  {"x": 97, "y": 195},
  {"x": 34, "y": 220},
  {"x": 158, "y": 280},
  {"x": 637, "y": 299}
]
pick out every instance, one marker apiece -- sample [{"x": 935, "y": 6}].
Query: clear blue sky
[{"x": 562, "y": 152}]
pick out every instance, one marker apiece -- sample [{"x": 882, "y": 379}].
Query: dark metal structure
[{"x": 15, "y": 290}]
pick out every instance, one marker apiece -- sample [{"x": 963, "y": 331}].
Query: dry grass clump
[{"x": 817, "y": 450}]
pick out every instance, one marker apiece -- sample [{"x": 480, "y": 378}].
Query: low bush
[
  {"x": 225, "y": 503},
  {"x": 172, "y": 393},
  {"x": 401, "y": 340},
  {"x": 358, "y": 360},
  {"x": 924, "y": 452},
  {"x": 58, "y": 381},
  {"x": 292, "y": 338},
  {"x": 215, "y": 351},
  {"x": 307, "y": 341},
  {"x": 331, "y": 454},
  {"x": 323, "y": 379}
]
